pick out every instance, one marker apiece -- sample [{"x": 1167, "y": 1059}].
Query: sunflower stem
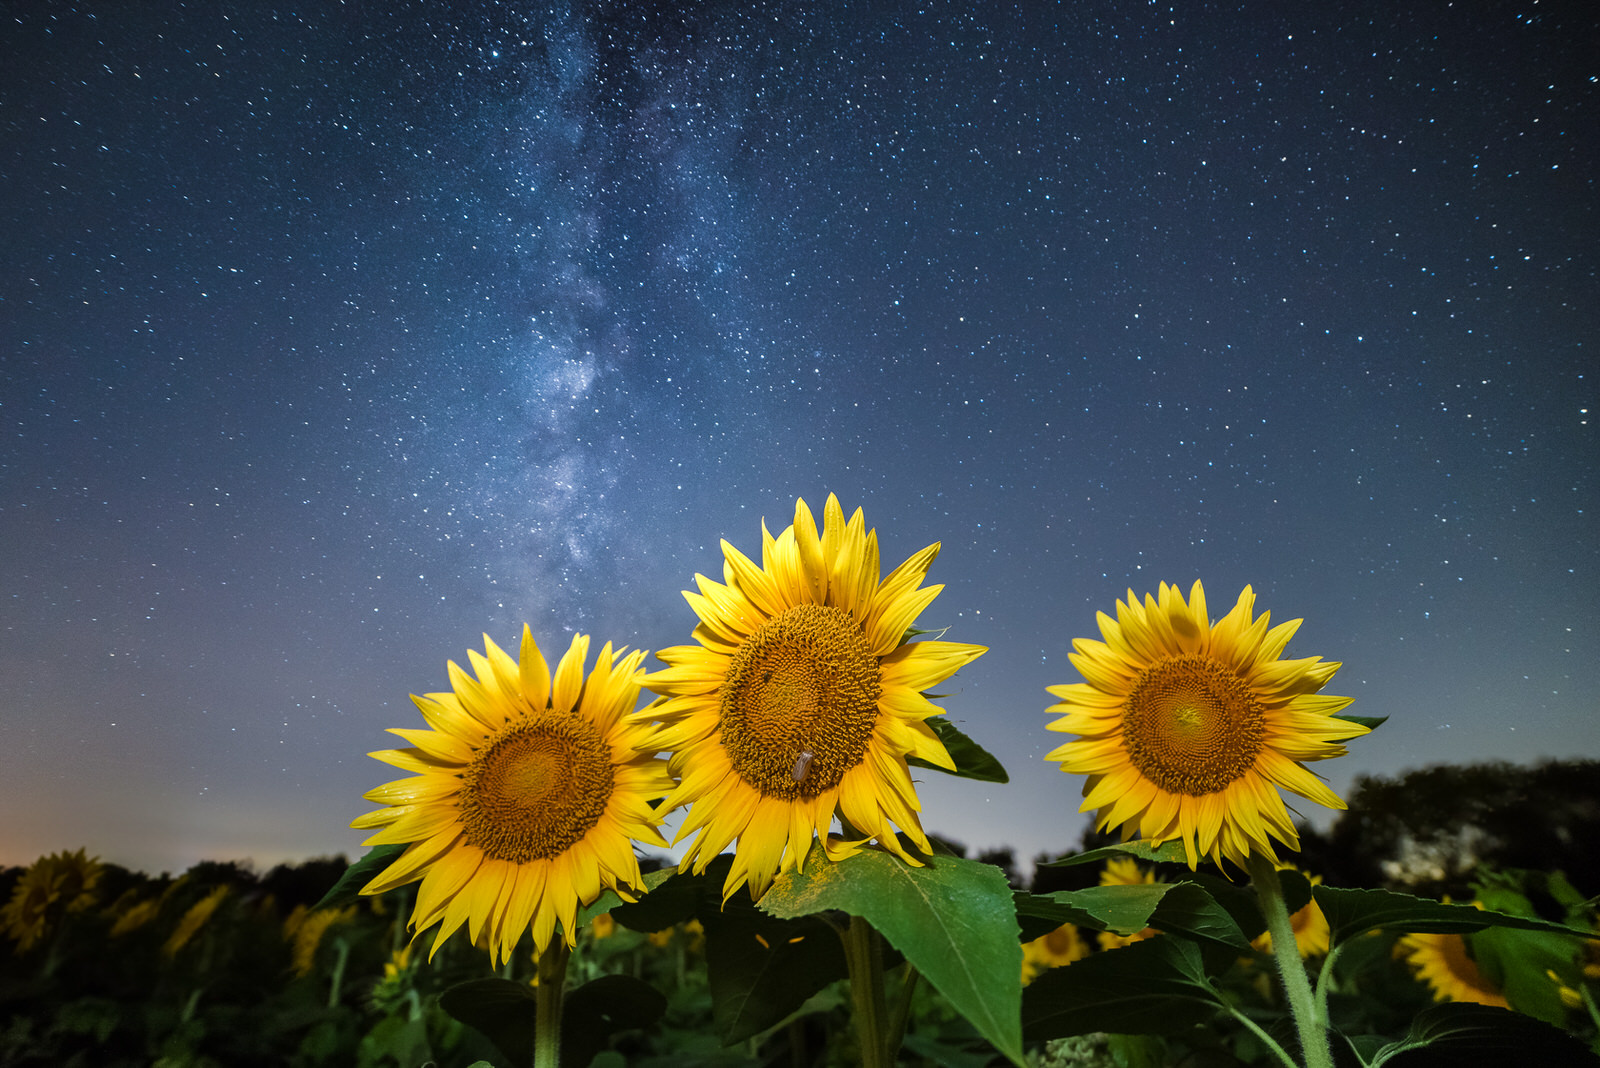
[
  {"x": 547, "y": 1004},
  {"x": 902, "y": 1008},
  {"x": 863, "y": 955},
  {"x": 1310, "y": 1025}
]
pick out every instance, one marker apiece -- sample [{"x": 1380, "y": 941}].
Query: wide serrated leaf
[
  {"x": 954, "y": 920},
  {"x": 1170, "y": 852},
  {"x": 1520, "y": 964},
  {"x": 1154, "y": 987},
  {"x": 1181, "y": 908},
  {"x": 1352, "y": 912},
  {"x": 1458, "y": 1035},
  {"x": 505, "y": 1012},
  {"x": 675, "y": 899},
  {"x": 598, "y": 1009},
  {"x": 1239, "y": 901},
  {"x": 1188, "y": 910},
  {"x": 359, "y": 874},
  {"x": 610, "y": 899},
  {"x": 761, "y": 968},
  {"x": 971, "y": 759},
  {"x": 1124, "y": 910}
]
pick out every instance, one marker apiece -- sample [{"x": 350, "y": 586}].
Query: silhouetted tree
[
  {"x": 1004, "y": 858},
  {"x": 303, "y": 883},
  {"x": 1428, "y": 829}
]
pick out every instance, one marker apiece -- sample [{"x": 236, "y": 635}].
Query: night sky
[{"x": 333, "y": 337}]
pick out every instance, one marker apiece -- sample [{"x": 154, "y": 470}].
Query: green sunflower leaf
[
  {"x": 506, "y": 1013},
  {"x": 1180, "y": 908},
  {"x": 954, "y": 920},
  {"x": 1352, "y": 912},
  {"x": 1170, "y": 852},
  {"x": 609, "y": 899},
  {"x": 502, "y": 1010},
  {"x": 602, "y": 1007},
  {"x": 971, "y": 759},
  {"x": 1456, "y": 1034},
  {"x": 359, "y": 874},
  {"x": 677, "y": 897},
  {"x": 762, "y": 969},
  {"x": 1123, "y": 910},
  {"x": 1154, "y": 987}
]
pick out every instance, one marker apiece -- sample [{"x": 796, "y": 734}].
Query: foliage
[{"x": 680, "y": 978}]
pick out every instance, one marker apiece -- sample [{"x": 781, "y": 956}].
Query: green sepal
[
  {"x": 1372, "y": 723},
  {"x": 359, "y": 874},
  {"x": 1154, "y": 987},
  {"x": 971, "y": 759},
  {"x": 953, "y": 919}
]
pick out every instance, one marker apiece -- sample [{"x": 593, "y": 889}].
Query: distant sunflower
[
  {"x": 1053, "y": 950},
  {"x": 1187, "y": 726},
  {"x": 51, "y": 887},
  {"x": 194, "y": 919},
  {"x": 305, "y": 929},
  {"x": 1443, "y": 962},
  {"x": 802, "y": 699},
  {"x": 527, "y": 797}
]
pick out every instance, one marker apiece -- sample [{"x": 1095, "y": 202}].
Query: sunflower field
[
  {"x": 508, "y": 912},
  {"x": 100, "y": 966}
]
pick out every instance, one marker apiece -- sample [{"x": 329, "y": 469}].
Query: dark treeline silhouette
[
  {"x": 1427, "y": 830},
  {"x": 1424, "y": 831}
]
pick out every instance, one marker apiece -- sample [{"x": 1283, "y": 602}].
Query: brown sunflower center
[
  {"x": 1192, "y": 726},
  {"x": 800, "y": 701},
  {"x": 537, "y": 790}
]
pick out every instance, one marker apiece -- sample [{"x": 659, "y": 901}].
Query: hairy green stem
[
  {"x": 1309, "y": 1023},
  {"x": 547, "y": 1004},
  {"x": 863, "y": 955}
]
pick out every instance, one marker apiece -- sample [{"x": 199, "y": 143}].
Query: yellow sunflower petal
[
  {"x": 1185, "y": 727},
  {"x": 809, "y": 706},
  {"x": 525, "y": 794}
]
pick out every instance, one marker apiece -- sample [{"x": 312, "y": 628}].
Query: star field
[{"x": 331, "y": 340}]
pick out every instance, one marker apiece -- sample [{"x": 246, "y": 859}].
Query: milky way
[{"x": 332, "y": 341}]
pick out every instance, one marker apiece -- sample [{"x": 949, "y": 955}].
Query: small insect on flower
[{"x": 802, "y": 765}]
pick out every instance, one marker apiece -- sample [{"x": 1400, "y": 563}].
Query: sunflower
[
  {"x": 527, "y": 795},
  {"x": 306, "y": 928},
  {"x": 52, "y": 886},
  {"x": 1187, "y": 726},
  {"x": 1443, "y": 962},
  {"x": 1053, "y": 950},
  {"x": 802, "y": 700},
  {"x": 194, "y": 919}
]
